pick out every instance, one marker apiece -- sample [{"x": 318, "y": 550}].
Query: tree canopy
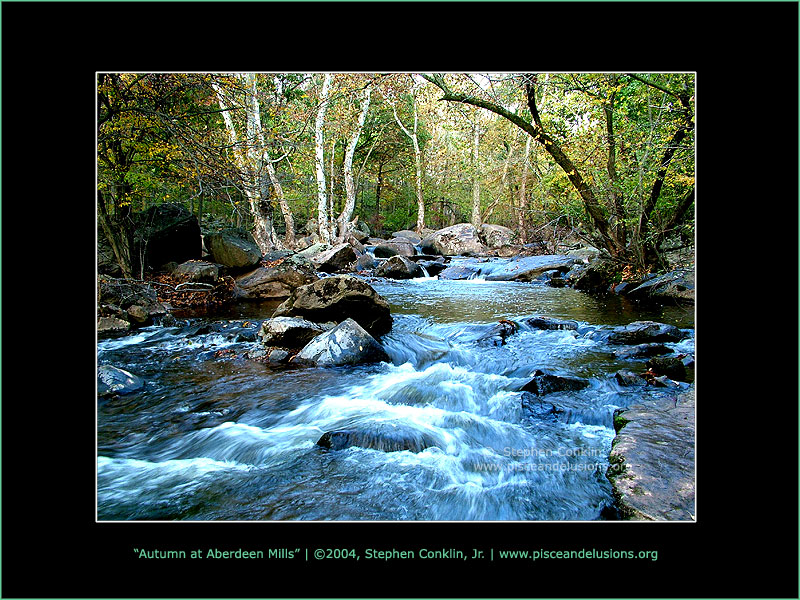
[{"x": 607, "y": 156}]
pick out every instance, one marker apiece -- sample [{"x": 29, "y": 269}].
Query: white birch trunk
[
  {"x": 331, "y": 188},
  {"x": 247, "y": 164},
  {"x": 476, "y": 184},
  {"x": 322, "y": 205},
  {"x": 417, "y": 164},
  {"x": 349, "y": 185},
  {"x": 267, "y": 162},
  {"x": 263, "y": 230}
]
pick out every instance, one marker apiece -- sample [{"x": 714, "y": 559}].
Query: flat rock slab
[
  {"x": 528, "y": 268},
  {"x": 652, "y": 468},
  {"x": 675, "y": 285}
]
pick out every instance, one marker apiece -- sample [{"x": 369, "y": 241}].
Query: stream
[{"x": 215, "y": 435}]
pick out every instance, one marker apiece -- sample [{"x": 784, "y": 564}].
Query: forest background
[{"x": 605, "y": 157}]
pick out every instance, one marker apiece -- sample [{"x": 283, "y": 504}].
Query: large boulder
[
  {"x": 395, "y": 247},
  {"x": 675, "y": 285},
  {"x": 197, "y": 270},
  {"x": 596, "y": 277},
  {"x": 365, "y": 262},
  {"x": 460, "y": 239},
  {"x": 346, "y": 344},
  {"x": 313, "y": 250},
  {"x": 407, "y": 234},
  {"x": 644, "y": 332},
  {"x": 336, "y": 258},
  {"x": 497, "y": 236},
  {"x": 110, "y": 326},
  {"x": 399, "y": 267},
  {"x": 114, "y": 381},
  {"x": 277, "y": 281},
  {"x": 288, "y": 332},
  {"x": 337, "y": 298},
  {"x": 528, "y": 268},
  {"x": 166, "y": 233},
  {"x": 234, "y": 248}
]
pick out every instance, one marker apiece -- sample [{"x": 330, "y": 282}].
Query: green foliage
[{"x": 161, "y": 138}]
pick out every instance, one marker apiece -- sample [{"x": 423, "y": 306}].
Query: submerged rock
[
  {"x": 545, "y": 383},
  {"x": 549, "y": 323},
  {"x": 432, "y": 267},
  {"x": 628, "y": 378},
  {"x": 386, "y": 437},
  {"x": 112, "y": 380},
  {"x": 337, "y": 298},
  {"x": 346, "y": 344},
  {"x": 535, "y": 407},
  {"x": 643, "y": 351},
  {"x": 652, "y": 460},
  {"x": 640, "y": 332},
  {"x": 670, "y": 366}
]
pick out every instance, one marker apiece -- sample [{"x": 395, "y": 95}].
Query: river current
[{"x": 215, "y": 435}]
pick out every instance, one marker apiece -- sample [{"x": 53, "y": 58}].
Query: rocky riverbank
[
  {"x": 327, "y": 314},
  {"x": 652, "y": 460}
]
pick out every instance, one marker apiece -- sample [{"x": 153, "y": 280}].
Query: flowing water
[{"x": 215, "y": 435}]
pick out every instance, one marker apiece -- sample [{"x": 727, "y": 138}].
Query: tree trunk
[
  {"x": 117, "y": 239},
  {"x": 350, "y": 189},
  {"x": 523, "y": 194},
  {"x": 476, "y": 182},
  {"x": 248, "y": 162},
  {"x": 322, "y": 204},
  {"x": 378, "y": 185},
  {"x": 611, "y": 168},
  {"x": 417, "y": 163},
  {"x": 290, "y": 237},
  {"x": 535, "y": 130},
  {"x": 263, "y": 231}
]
